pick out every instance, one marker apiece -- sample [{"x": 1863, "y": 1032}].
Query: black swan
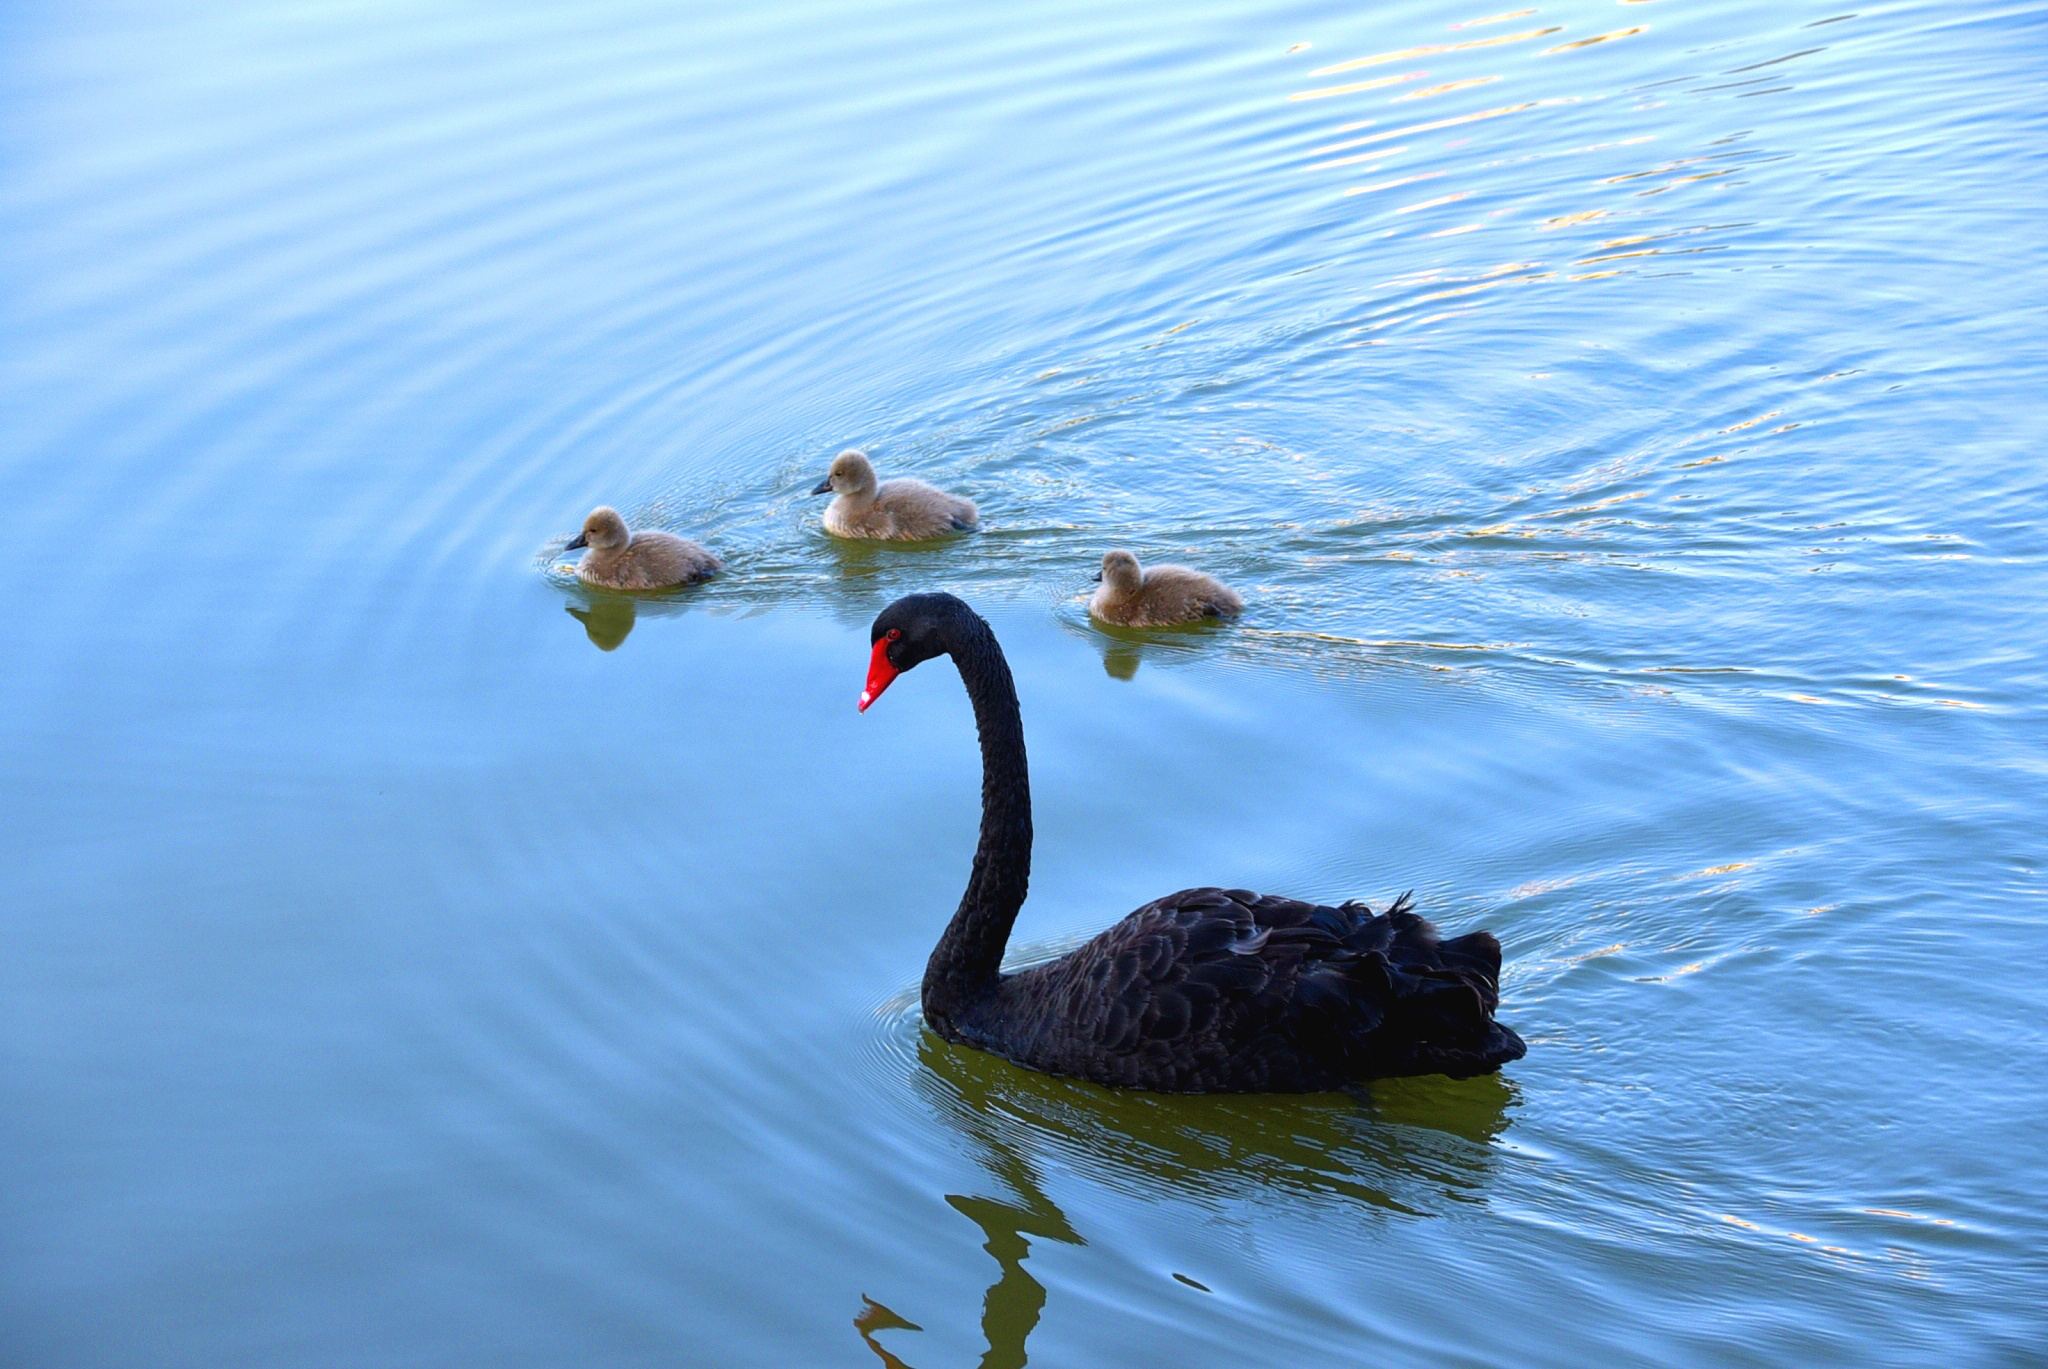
[{"x": 1203, "y": 991}]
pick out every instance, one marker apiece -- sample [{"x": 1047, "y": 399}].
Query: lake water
[{"x": 1625, "y": 420}]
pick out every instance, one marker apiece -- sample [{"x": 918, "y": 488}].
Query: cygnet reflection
[
  {"x": 1124, "y": 650},
  {"x": 607, "y": 622}
]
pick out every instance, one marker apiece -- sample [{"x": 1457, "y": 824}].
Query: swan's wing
[
  {"x": 1223, "y": 984},
  {"x": 1188, "y": 991}
]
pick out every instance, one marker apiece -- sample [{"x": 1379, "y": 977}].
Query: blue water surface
[{"x": 1625, "y": 420}]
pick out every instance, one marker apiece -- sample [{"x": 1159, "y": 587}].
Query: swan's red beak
[{"x": 880, "y": 673}]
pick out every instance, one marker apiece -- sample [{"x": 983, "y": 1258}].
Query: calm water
[{"x": 1626, "y": 421}]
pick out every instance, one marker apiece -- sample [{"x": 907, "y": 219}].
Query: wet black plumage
[{"x": 1203, "y": 991}]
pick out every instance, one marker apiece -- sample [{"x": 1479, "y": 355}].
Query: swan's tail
[{"x": 1436, "y": 1000}]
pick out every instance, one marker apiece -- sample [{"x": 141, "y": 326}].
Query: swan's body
[
  {"x": 1159, "y": 597},
  {"x": 619, "y": 559},
  {"x": 1204, "y": 991},
  {"x": 900, "y": 510}
]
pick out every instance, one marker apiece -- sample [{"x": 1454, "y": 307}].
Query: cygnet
[
  {"x": 900, "y": 510},
  {"x": 621, "y": 559},
  {"x": 1159, "y": 597}
]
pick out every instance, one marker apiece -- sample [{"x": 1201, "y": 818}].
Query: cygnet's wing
[
  {"x": 924, "y": 510},
  {"x": 1187, "y": 593}
]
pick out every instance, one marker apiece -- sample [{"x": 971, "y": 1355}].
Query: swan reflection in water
[{"x": 1404, "y": 1148}]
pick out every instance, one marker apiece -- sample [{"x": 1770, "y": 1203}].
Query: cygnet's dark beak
[
  {"x": 582, "y": 540},
  {"x": 1096, "y": 577},
  {"x": 823, "y": 486}
]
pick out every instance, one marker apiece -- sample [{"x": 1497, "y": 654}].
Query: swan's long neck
[{"x": 966, "y": 964}]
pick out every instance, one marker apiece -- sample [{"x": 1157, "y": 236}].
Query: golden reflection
[
  {"x": 1451, "y": 198},
  {"x": 1372, "y": 156},
  {"x": 1597, "y": 504},
  {"x": 1674, "y": 184},
  {"x": 1493, "y": 19},
  {"x": 1567, "y": 220},
  {"x": 1389, "y": 185},
  {"x": 1405, "y": 54},
  {"x": 1669, "y": 166},
  {"x": 1837, "y": 1250},
  {"x": 1521, "y": 37},
  {"x": 1357, "y": 86},
  {"x": 1606, "y": 243},
  {"x": 1651, "y": 252},
  {"x": 1476, "y": 287},
  {"x": 1432, "y": 49},
  {"x": 1430, "y": 127},
  {"x": 1598, "y": 38},
  {"x": 1447, "y": 87}
]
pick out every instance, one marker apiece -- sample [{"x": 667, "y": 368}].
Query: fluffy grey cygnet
[
  {"x": 1159, "y": 597},
  {"x": 900, "y": 510},
  {"x": 621, "y": 559}
]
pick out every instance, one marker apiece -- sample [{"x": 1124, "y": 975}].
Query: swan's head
[
  {"x": 1121, "y": 573},
  {"x": 851, "y": 473},
  {"x": 604, "y": 530},
  {"x": 907, "y": 633}
]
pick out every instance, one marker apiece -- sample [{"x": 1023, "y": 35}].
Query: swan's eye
[{"x": 895, "y": 634}]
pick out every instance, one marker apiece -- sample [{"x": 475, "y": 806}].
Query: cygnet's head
[
  {"x": 1120, "y": 572},
  {"x": 604, "y": 530},
  {"x": 851, "y": 473}
]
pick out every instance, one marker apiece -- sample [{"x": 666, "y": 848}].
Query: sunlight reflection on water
[{"x": 1622, "y": 422}]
